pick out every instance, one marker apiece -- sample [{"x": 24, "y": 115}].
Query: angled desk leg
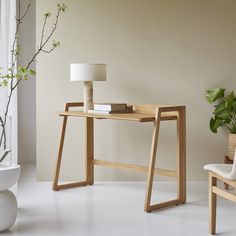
[
  {"x": 155, "y": 136},
  {"x": 55, "y": 185},
  {"x": 181, "y": 155},
  {"x": 181, "y": 160},
  {"x": 89, "y": 150}
]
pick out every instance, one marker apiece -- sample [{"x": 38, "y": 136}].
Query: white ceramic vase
[{"x": 8, "y": 204}]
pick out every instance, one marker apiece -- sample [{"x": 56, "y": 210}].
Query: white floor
[{"x": 107, "y": 208}]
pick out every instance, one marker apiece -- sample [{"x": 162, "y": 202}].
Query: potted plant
[
  {"x": 224, "y": 114},
  {"x": 12, "y": 76}
]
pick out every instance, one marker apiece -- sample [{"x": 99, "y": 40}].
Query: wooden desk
[{"x": 139, "y": 113}]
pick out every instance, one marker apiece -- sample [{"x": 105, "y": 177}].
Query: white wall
[
  {"x": 27, "y": 89},
  {"x": 157, "y": 51}
]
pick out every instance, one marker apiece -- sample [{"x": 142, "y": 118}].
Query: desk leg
[
  {"x": 89, "y": 150},
  {"x": 58, "y": 164},
  {"x": 89, "y": 159},
  {"x": 181, "y": 161},
  {"x": 181, "y": 156},
  {"x": 147, "y": 206}
]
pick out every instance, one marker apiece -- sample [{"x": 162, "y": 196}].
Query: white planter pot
[
  {"x": 8, "y": 213},
  {"x": 8, "y": 204},
  {"x": 9, "y": 176}
]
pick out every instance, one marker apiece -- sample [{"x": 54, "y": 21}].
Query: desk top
[{"x": 131, "y": 116}]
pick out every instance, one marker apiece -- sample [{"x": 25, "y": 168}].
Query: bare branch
[
  {"x": 19, "y": 21},
  {"x": 26, "y": 11},
  {"x": 48, "y": 51},
  {"x": 42, "y": 34},
  {"x": 41, "y": 46}
]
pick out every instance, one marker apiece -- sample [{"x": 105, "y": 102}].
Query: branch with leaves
[{"x": 13, "y": 76}]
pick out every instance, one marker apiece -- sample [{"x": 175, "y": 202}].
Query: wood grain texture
[
  {"x": 181, "y": 155},
  {"x": 138, "y": 168},
  {"x": 212, "y": 204},
  {"x": 131, "y": 116},
  {"x": 55, "y": 185},
  {"x": 213, "y": 192},
  {"x": 58, "y": 163},
  {"x": 89, "y": 147},
  {"x": 224, "y": 194},
  {"x": 152, "y": 161}
]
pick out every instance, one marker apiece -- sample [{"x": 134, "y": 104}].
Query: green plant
[
  {"x": 11, "y": 77},
  {"x": 224, "y": 114}
]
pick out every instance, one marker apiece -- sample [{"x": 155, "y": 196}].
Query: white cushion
[{"x": 224, "y": 170}]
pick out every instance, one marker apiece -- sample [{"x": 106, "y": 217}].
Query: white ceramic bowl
[{"x": 9, "y": 176}]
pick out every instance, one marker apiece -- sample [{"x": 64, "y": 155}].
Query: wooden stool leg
[
  {"x": 212, "y": 204},
  {"x": 152, "y": 162},
  {"x": 58, "y": 164}
]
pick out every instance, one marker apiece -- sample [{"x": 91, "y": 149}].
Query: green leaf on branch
[
  {"x": 47, "y": 14},
  {"x": 213, "y": 94},
  {"x": 4, "y": 83},
  {"x": 61, "y": 7},
  {"x": 22, "y": 73},
  {"x": 56, "y": 43},
  {"x": 32, "y": 72}
]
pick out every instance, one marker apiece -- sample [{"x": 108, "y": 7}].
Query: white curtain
[{"x": 7, "y": 33}]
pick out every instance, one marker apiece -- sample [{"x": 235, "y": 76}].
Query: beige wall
[
  {"x": 27, "y": 90},
  {"x": 157, "y": 51}
]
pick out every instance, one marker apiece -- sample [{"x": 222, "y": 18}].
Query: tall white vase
[{"x": 8, "y": 203}]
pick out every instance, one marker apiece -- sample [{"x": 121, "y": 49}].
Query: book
[
  {"x": 110, "y": 106},
  {"x": 107, "y": 112}
]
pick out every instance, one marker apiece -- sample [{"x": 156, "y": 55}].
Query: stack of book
[{"x": 109, "y": 108}]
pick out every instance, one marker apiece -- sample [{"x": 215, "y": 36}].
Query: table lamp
[{"x": 87, "y": 73}]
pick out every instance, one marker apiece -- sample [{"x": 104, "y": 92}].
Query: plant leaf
[
  {"x": 224, "y": 115},
  {"x": 229, "y": 100},
  {"x": 234, "y": 107},
  {"x": 214, "y": 94},
  {"x": 215, "y": 124},
  {"x": 220, "y": 108}
]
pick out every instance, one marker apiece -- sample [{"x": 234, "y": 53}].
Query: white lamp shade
[{"x": 87, "y": 72}]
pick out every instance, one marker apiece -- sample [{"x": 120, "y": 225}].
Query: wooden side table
[{"x": 139, "y": 113}]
